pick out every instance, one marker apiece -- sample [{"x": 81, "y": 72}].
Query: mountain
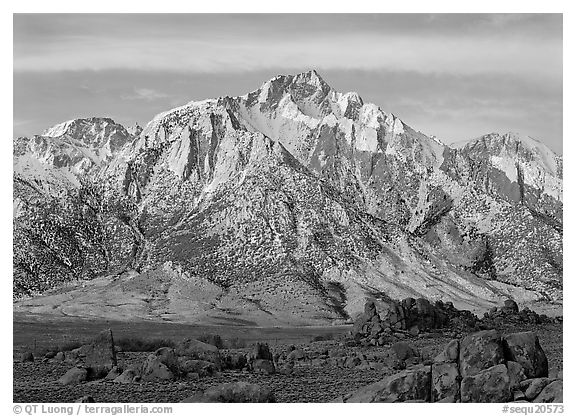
[
  {"x": 69, "y": 150},
  {"x": 293, "y": 203},
  {"x": 57, "y": 228}
]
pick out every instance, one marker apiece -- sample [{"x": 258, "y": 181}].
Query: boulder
[
  {"x": 516, "y": 374},
  {"x": 445, "y": 382},
  {"x": 412, "y": 384},
  {"x": 128, "y": 376},
  {"x": 168, "y": 357},
  {"x": 263, "y": 366},
  {"x": 407, "y": 303},
  {"x": 100, "y": 354},
  {"x": 396, "y": 316},
  {"x": 26, "y": 357},
  {"x": 75, "y": 375},
  {"x": 414, "y": 330},
  {"x": 534, "y": 386},
  {"x": 238, "y": 392},
  {"x": 510, "y": 307},
  {"x": 450, "y": 353},
  {"x": 480, "y": 351},
  {"x": 286, "y": 368},
  {"x": 261, "y": 352},
  {"x": 491, "y": 385},
  {"x": 202, "y": 368},
  {"x": 524, "y": 348},
  {"x": 403, "y": 351},
  {"x": 190, "y": 347},
  {"x": 296, "y": 355},
  {"x": 197, "y": 350},
  {"x": 352, "y": 362},
  {"x": 235, "y": 361},
  {"x": 59, "y": 356},
  {"x": 154, "y": 369},
  {"x": 368, "y": 324},
  {"x": 394, "y": 363},
  {"x": 552, "y": 393},
  {"x": 426, "y": 316}
]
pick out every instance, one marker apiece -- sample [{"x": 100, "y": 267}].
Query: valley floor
[
  {"x": 39, "y": 332},
  {"x": 37, "y": 381}
]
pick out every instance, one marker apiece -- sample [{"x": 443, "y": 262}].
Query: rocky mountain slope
[{"x": 292, "y": 203}]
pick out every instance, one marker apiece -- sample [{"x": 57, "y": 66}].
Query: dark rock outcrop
[
  {"x": 477, "y": 369},
  {"x": 411, "y": 317}
]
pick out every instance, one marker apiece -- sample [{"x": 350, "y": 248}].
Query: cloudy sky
[{"x": 453, "y": 76}]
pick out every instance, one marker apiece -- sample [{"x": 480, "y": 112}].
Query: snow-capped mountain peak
[
  {"x": 58, "y": 129},
  {"x": 295, "y": 189},
  {"x": 75, "y": 147}
]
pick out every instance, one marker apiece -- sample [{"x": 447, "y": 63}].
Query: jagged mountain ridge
[
  {"x": 297, "y": 194},
  {"x": 70, "y": 150},
  {"x": 63, "y": 156}
]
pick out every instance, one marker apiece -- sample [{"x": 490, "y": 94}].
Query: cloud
[
  {"x": 524, "y": 45},
  {"x": 444, "y": 54},
  {"x": 145, "y": 94}
]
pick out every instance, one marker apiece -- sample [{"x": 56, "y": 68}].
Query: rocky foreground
[{"x": 521, "y": 362}]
